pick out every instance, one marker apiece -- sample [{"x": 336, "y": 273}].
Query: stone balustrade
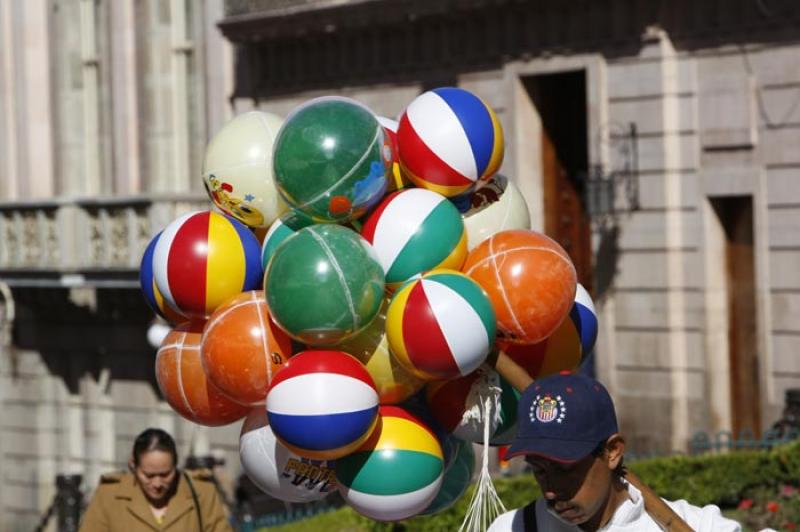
[{"x": 85, "y": 235}]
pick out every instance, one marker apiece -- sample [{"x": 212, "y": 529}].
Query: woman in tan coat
[{"x": 155, "y": 495}]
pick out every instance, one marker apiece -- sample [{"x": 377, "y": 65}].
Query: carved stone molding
[
  {"x": 29, "y": 237},
  {"x": 85, "y": 236}
]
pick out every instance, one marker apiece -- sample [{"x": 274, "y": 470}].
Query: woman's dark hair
[{"x": 154, "y": 440}]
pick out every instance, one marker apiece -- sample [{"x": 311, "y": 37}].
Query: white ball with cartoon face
[{"x": 237, "y": 170}]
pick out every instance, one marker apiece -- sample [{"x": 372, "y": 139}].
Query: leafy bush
[
  {"x": 722, "y": 479},
  {"x": 719, "y": 479}
]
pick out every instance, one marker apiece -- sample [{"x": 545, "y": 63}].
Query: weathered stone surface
[{"x": 711, "y": 123}]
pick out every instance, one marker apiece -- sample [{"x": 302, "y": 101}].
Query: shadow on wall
[
  {"x": 84, "y": 330},
  {"x": 606, "y": 260}
]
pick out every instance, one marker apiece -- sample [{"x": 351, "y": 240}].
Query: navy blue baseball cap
[{"x": 563, "y": 417}]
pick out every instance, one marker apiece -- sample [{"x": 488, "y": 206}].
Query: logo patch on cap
[{"x": 548, "y": 408}]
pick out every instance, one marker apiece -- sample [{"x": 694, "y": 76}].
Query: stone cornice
[
  {"x": 270, "y": 20},
  {"x": 95, "y": 201},
  {"x": 330, "y": 45}
]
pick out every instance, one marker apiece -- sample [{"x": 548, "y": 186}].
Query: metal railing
[
  {"x": 725, "y": 440},
  {"x": 67, "y": 505}
]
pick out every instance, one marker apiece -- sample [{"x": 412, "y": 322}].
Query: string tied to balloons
[
  {"x": 483, "y": 406},
  {"x": 486, "y": 386}
]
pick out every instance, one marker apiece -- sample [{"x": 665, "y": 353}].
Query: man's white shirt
[{"x": 630, "y": 516}]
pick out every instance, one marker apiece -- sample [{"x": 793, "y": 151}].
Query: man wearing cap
[{"x": 567, "y": 431}]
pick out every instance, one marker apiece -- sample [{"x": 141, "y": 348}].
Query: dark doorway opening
[
  {"x": 560, "y": 100},
  {"x": 735, "y": 214}
]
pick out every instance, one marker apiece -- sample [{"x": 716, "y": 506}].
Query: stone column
[
  {"x": 99, "y": 412},
  {"x": 656, "y": 286},
  {"x": 658, "y": 46},
  {"x": 218, "y": 69},
  {"x": 181, "y": 55},
  {"x": 26, "y": 99},
  {"x": 9, "y": 125},
  {"x": 91, "y": 98},
  {"x": 126, "y": 166},
  {"x": 35, "y": 42}
]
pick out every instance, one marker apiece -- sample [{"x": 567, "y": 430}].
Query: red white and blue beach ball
[
  {"x": 449, "y": 139},
  {"x": 204, "y": 258},
  {"x": 322, "y": 404}
]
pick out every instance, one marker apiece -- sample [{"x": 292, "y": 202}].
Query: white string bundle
[{"x": 483, "y": 406}]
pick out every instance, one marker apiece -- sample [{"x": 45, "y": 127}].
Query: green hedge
[{"x": 711, "y": 479}]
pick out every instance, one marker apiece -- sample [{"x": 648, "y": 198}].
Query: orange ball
[
  {"x": 182, "y": 381},
  {"x": 530, "y": 280},
  {"x": 242, "y": 348}
]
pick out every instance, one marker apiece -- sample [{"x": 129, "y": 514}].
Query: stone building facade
[
  {"x": 690, "y": 109},
  {"x": 106, "y": 108}
]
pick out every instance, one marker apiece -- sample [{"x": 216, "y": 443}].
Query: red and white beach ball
[
  {"x": 441, "y": 326},
  {"x": 396, "y": 181}
]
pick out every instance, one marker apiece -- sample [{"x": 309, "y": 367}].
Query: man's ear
[
  {"x": 131, "y": 465},
  {"x": 615, "y": 450}
]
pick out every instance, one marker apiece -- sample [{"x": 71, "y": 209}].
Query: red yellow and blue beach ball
[
  {"x": 322, "y": 404},
  {"x": 397, "y": 472},
  {"x": 441, "y": 325},
  {"x": 202, "y": 259},
  {"x": 448, "y": 140},
  {"x": 413, "y": 231}
]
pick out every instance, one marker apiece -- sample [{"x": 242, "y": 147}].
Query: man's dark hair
[
  {"x": 154, "y": 440},
  {"x": 600, "y": 450}
]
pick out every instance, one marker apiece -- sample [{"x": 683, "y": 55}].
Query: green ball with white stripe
[
  {"x": 414, "y": 231},
  {"x": 324, "y": 284},
  {"x": 280, "y": 230},
  {"x": 331, "y": 158}
]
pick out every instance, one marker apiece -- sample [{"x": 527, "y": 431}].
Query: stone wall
[
  {"x": 712, "y": 122},
  {"x": 76, "y": 383},
  {"x": 106, "y": 108}
]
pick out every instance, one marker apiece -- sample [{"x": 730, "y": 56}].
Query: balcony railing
[{"x": 85, "y": 235}]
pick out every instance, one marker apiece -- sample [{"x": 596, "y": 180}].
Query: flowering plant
[{"x": 770, "y": 508}]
